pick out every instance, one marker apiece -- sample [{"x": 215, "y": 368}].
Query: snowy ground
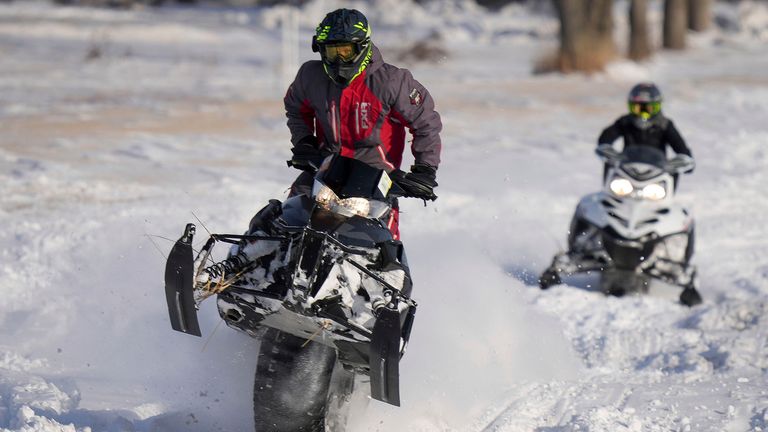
[{"x": 116, "y": 126}]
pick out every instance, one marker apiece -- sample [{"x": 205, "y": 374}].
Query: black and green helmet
[
  {"x": 343, "y": 40},
  {"x": 644, "y": 101}
]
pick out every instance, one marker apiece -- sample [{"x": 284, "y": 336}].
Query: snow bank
[{"x": 30, "y": 403}]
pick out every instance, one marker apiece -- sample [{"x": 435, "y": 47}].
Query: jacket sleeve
[
  {"x": 611, "y": 133},
  {"x": 675, "y": 140},
  {"x": 415, "y": 108},
  {"x": 301, "y": 116}
]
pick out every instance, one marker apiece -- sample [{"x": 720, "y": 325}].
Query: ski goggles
[
  {"x": 344, "y": 51},
  {"x": 645, "y": 109}
]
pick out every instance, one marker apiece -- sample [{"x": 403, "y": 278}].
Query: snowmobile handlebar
[
  {"x": 608, "y": 154},
  {"x": 411, "y": 190},
  {"x": 304, "y": 165},
  {"x": 397, "y": 191},
  {"x": 679, "y": 164}
]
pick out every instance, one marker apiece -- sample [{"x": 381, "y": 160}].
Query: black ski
[
  {"x": 384, "y": 358},
  {"x": 179, "y": 281}
]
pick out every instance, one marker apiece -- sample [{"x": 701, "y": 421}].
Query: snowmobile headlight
[
  {"x": 355, "y": 206},
  {"x": 621, "y": 186},
  {"x": 377, "y": 209},
  {"x": 324, "y": 195},
  {"x": 327, "y": 199},
  {"x": 654, "y": 192},
  {"x": 362, "y": 207}
]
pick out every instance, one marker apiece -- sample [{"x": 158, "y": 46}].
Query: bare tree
[
  {"x": 699, "y": 14},
  {"x": 639, "y": 41},
  {"x": 586, "y": 34},
  {"x": 675, "y": 23}
]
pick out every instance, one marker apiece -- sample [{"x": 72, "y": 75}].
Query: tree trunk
[
  {"x": 699, "y": 14},
  {"x": 675, "y": 23},
  {"x": 639, "y": 43},
  {"x": 586, "y": 34}
]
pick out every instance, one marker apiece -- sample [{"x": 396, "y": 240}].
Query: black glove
[
  {"x": 419, "y": 183},
  {"x": 306, "y": 154}
]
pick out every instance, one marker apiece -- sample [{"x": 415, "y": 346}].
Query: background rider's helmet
[
  {"x": 343, "y": 39},
  {"x": 644, "y": 103}
]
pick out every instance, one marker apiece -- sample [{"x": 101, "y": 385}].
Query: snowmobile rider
[
  {"x": 645, "y": 124},
  {"x": 352, "y": 102}
]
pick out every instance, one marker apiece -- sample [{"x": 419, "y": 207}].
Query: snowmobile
[
  {"x": 632, "y": 233},
  {"x": 321, "y": 282}
]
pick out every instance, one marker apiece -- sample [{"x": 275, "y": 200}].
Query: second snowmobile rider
[{"x": 645, "y": 124}]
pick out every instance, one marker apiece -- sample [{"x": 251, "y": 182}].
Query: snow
[{"x": 117, "y": 126}]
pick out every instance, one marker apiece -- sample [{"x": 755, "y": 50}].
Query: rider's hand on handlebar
[
  {"x": 419, "y": 183},
  {"x": 306, "y": 154},
  {"x": 691, "y": 167},
  {"x": 606, "y": 150},
  {"x": 681, "y": 164}
]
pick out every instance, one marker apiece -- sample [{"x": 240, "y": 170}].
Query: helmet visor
[
  {"x": 645, "y": 109},
  {"x": 344, "y": 51}
]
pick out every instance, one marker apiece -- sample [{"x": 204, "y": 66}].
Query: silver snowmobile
[
  {"x": 321, "y": 282},
  {"x": 632, "y": 232}
]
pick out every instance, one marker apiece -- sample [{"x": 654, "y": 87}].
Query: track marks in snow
[
  {"x": 560, "y": 406},
  {"x": 653, "y": 335},
  {"x": 632, "y": 402}
]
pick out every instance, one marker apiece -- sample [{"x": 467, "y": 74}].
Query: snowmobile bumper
[{"x": 376, "y": 353}]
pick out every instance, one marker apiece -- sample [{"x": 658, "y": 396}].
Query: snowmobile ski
[
  {"x": 385, "y": 356},
  {"x": 179, "y": 285}
]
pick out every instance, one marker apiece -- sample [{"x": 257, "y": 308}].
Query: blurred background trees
[
  {"x": 675, "y": 23},
  {"x": 492, "y": 4},
  {"x": 639, "y": 37},
  {"x": 586, "y": 37},
  {"x": 586, "y": 34},
  {"x": 699, "y": 14}
]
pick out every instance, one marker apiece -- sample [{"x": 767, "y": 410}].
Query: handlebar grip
[
  {"x": 409, "y": 189},
  {"x": 307, "y": 165}
]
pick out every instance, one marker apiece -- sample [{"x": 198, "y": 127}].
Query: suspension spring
[{"x": 229, "y": 266}]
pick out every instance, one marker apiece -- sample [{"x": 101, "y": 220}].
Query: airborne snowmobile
[
  {"x": 321, "y": 281},
  {"x": 632, "y": 232}
]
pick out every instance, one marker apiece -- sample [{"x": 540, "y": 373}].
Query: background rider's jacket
[
  {"x": 367, "y": 119},
  {"x": 660, "y": 133}
]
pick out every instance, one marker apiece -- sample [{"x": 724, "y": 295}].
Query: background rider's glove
[
  {"x": 693, "y": 167},
  {"x": 605, "y": 146},
  {"x": 419, "y": 183},
  {"x": 306, "y": 154}
]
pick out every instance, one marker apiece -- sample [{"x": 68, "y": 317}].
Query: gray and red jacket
[{"x": 365, "y": 120}]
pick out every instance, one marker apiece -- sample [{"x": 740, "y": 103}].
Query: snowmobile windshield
[
  {"x": 351, "y": 178},
  {"x": 349, "y": 187},
  {"x": 644, "y": 154}
]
